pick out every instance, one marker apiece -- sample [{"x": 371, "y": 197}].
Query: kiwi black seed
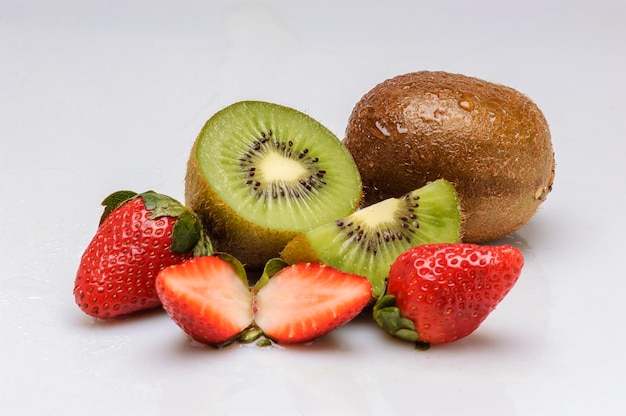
[
  {"x": 369, "y": 240},
  {"x": 259, "y": 173}
]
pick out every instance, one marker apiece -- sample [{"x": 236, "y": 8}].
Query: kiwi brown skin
[{"x": 490, "y": 140}]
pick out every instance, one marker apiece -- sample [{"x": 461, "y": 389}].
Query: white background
[{"x": 105, "y": 95}]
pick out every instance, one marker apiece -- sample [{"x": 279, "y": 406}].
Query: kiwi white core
[
  {"x": 277, "y": 168},
  {"x": 377, "y": 214}
]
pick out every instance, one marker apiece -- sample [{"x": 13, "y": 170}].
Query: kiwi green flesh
[
  {"x": 368, "y": 241},
  {"x": 277, "y": 167}
]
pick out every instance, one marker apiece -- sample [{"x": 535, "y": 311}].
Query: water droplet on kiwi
[
  {"x": 382, "y": 129},
  {"x": 375, "y": 128},
  {"x": 542, "y": 192},
  {"x": 467, "y": 103},
  {"x": 401, "y": 129},
  {"x": 428, "y": 109},
  {"x": 366, "y": 111}
]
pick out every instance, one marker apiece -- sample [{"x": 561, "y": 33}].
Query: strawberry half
[
  {"x": 138, "y": 235},
  {"x": 306, "y": 300},
  {"x": 209, "y": 298},
  {"x": 439, "y": 293}
]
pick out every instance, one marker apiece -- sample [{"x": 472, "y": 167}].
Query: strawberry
[
  {"x": 306, "y": 300},
  {"x": 209, "y": 298},
  {"x": 439, "y": 293},
  {"x": 138, "y": 235}
]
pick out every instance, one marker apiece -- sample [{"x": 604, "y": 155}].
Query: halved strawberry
[
  {"x": 209, "y": 298},
  {"x": 206, "y": 297},
  {"x": 306, "y": 300}
]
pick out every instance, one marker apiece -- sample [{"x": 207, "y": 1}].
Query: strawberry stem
[{"x": 204, "y": 247}]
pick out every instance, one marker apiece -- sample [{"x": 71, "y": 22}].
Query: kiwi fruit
[
  {"x": 259, "y": 173},
  {"x": 490, "y": 140},
  {"x": 368, "y": 241}
]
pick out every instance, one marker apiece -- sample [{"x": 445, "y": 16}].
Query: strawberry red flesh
[
  {"x": 207, "y": 299},
  {"x": 210, "y": 299},
  {"x": 447, "y": 290},
  {"x": 307, "y": 300}
]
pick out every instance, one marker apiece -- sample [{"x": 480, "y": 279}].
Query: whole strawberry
[
  {"x": 138, "y": 235},
  {"x": 439, "y": 293}
]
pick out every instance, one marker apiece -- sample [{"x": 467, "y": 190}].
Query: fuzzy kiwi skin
[{"x": 490, "y": 140}]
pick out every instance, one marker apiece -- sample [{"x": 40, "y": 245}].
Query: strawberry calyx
[
  {"x": 187, "y": 233},
  {"x": 272, "y": 267},
  {"x": 251, "y": 334},
  {"x": 115, "y": 200},
  {"x": 387, "y": 315}
]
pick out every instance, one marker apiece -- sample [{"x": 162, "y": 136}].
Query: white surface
[{"x": 105, "y": 95}]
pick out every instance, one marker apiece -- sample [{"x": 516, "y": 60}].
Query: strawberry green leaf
[
  {"x": 204, "y": 246},
  {"x": 272, "y": 267},
  {"x": 250, "y": 335},
  {"x": 114, "y": 200},
  {"x": 388, "y": 317},
  {"x": 162, "y": 205},
  {"x": 186, "y": 233},
  {"x": 264, "y": 342}
]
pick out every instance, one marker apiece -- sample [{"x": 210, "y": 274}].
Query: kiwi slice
[
  {"x": 259, "y": 173},
  {"x": 368, "y": 241}
]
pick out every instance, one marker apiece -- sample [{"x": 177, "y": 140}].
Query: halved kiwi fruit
[
  {"x": 259, "y": 173},
  {"x": 369, "y": 240}
]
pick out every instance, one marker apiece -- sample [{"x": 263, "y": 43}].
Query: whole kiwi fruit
[{"x": 491, "y": 141}]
